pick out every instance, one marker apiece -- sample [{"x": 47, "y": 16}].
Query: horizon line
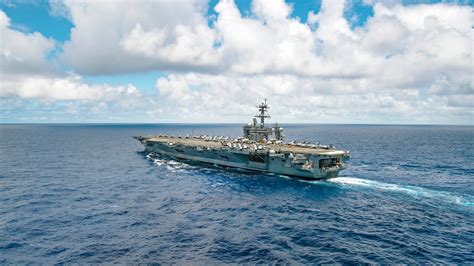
[{"x": 223, "y": 123}]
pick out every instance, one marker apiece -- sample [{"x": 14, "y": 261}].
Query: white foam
[
  {"x": 285, "y": 176},
  {"x": 316, "y": 182},
  {"x": 171, "y": 162},
  {"x": 159, "y": 162},
  {"x": 414, "y": 191}
]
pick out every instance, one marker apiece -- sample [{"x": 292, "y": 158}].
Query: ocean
[{"x": 89, "y": 194}]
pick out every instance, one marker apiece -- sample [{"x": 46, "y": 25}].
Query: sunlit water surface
[{"x": 87, "y": 194}]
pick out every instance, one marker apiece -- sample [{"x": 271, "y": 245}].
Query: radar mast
[{"x": 263, "y": 113}]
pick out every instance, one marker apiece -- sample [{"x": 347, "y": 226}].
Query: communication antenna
[{"x": 263, "y": 112}]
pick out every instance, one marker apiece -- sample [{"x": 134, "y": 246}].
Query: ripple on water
[{"x": 88, "y": 194}]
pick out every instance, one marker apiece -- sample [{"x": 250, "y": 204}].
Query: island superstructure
[{"x": 261, "y": 148}]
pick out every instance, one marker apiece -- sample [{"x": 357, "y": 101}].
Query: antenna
[{"x": 263, "y": 112}]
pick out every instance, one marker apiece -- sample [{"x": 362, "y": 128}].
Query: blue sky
[
  {"x": 30, "y": 16},
  {"x": 109, "y": 77}
]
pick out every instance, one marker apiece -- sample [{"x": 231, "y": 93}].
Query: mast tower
[{"x": 263, "y": 113}]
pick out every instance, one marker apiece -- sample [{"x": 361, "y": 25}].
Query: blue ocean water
[{"x": 88, "y": 194}]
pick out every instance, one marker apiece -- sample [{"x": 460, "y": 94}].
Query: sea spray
[{"x": 414, "y": 191}]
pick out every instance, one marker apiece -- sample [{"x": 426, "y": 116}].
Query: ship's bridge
[{"x": 258, "y": 131}]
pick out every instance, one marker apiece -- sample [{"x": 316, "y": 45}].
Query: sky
[{"x": 197, "y": 61}]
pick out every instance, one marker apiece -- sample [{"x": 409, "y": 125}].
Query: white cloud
[
  {"x": 26, "y": 73},
  {"x": 114, "y": 38},
  {"x": 407, "y": 63},
  {"x": 224, "y": 98},
  {"x": 4, "y": 20},
  {"x": 272, "y": 43},
  {"x": 71, "y": 99},
  {"x": 22, "y": 53},
  {"x": 29, "y": 80},
  {"x": 57, "y": 8},
  {"x": 180, "y": 46},
  {"x": 415, "y": 16},
  {"x": 62, "y": 89}
]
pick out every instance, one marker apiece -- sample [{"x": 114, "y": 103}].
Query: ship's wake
[
  {"x": 171, "y": 165},
  {"x": 414, "y": 191},
  {"x": 350, "y": 182}
]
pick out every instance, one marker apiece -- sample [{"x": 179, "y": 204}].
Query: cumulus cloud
[
  {"x": 437, "y": 37},
  {"x": 406, "y": 63},
  {"x": 180, "y": 46},
  {"x": 200, "y": 98},
  {"x": 28, "y": 77},
  {"x": 61, "y": 89},
  {"x": 71, "y": 99},
  {"x": 57, "y": 8},
  {"x": 271, "y": 43},
  {"x": 22, "y": 53},
  {"x": 110, "y": 38},
  {"x": 26, "y": 72}
]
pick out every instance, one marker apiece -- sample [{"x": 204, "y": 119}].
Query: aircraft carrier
[{"x": 261, "y": 148}]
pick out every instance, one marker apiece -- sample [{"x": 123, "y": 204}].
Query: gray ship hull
[{"x": 244, "y": 159}]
